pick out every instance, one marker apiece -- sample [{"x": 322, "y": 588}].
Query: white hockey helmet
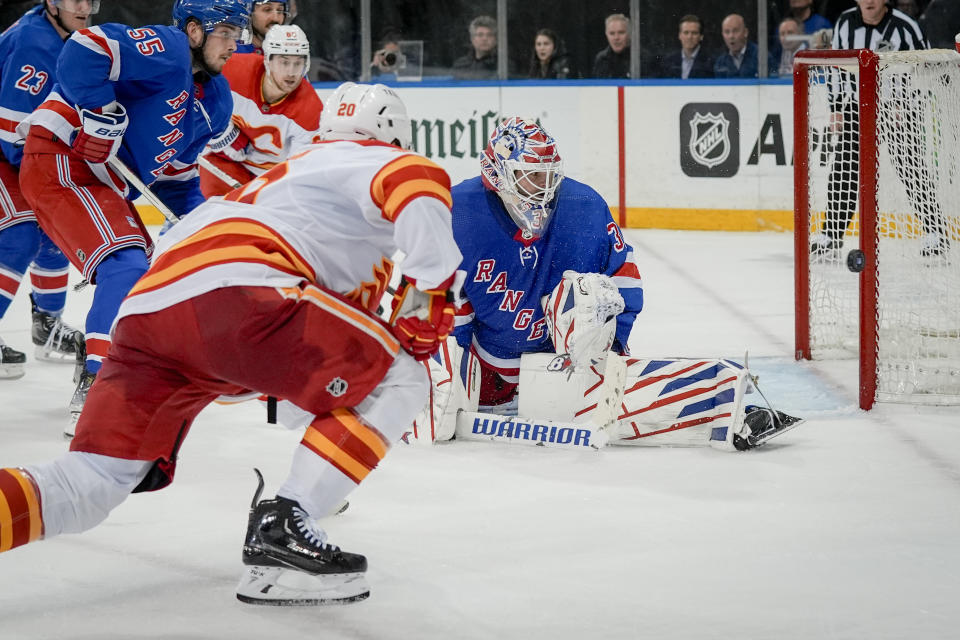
[
  {"x": 365, "y": 112},
  {"x": 286, "y": 40}
]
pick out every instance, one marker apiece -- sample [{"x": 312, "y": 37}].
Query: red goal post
[{"x": 877, "y": 169}]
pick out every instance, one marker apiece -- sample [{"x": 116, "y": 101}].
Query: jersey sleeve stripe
[
  {"x": 54, "y": 115},
  {"x": 627, "y": 276},
  {"x": 9, "y": 119},
  {"x": 97, "y": 41},
  {"x": 401, "y": 196},
  {"x": 405, "y": 178}
]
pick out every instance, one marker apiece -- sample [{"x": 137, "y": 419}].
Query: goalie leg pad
[{"x": 454, "y": 387}]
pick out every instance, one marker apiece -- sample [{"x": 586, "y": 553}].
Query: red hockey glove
[
  {"x": 421, "y": 320},
  {"x": 100, "y": 135}
]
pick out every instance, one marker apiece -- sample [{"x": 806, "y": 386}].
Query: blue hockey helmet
[{"x": 211, "y": 13}]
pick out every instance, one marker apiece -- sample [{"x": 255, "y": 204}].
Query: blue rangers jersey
[
  {"x": 148, "y": 71},
  {"x": 28, "y": 63},
  {"x": 506, "y": 277}
]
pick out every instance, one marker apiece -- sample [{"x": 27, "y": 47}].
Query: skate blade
[
  {"x": 787, "y": 423},
  {"x": 12, "y": 371},
  {"x": 340, "y": 508},
  {"x": 277, "y": 586},
  {"x": 71, "y": 429},
  {"x": 47, "y": 355}
]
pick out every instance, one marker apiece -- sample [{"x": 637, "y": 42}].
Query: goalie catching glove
[
  {"x": 101, "y": 133},
  {"x": 581, "y": 315},
  {"x": 421, "y": 320}
]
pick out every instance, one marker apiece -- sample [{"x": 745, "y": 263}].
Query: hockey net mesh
[{"x": 917, "y": 163}]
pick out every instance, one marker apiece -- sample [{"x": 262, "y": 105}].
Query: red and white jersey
[
  {"x": 276, "y": 130},
  {"x": 333, "y": 215}
]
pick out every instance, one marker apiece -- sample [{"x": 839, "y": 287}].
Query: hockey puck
[{"x": 856, "y": 260}]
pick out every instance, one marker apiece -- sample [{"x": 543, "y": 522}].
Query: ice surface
[{"x": 847, "y": 527}]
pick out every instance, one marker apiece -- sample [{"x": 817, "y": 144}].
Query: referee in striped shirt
[{"x": 874, "y": 25}]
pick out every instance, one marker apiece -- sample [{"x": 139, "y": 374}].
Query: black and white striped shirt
[{"x": 896, "y": 32}]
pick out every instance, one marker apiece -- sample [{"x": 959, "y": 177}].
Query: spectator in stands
[
  {"x": 387, "y": 56},
  {"x": 941, "y": 21},
  {"x": 811, "y": 22},
  {"x": 549, "y": 60},
  {"x": 740, "y": 58},
  {"x": 691, "y": 61},
  {"x": 614, "y": 60},
  {"x": 789, "y": 31},
  {"x": 481, "y": 62}
]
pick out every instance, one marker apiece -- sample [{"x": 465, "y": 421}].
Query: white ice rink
[{"x": 847, "y": 527}]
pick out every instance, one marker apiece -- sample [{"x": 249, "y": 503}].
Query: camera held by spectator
[{"x": 389, "y": 58}]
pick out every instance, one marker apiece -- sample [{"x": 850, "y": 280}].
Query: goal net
[{"x": 877, "y": 171}]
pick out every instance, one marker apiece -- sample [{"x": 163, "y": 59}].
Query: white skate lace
[
  {"x": 314, "y": 535},
  {"x": 59, "y": 334}
]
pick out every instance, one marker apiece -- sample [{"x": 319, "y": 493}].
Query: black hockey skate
[
  {"x": 762, "y": 424},
  {"x": 289, "y": 561},
  {"x": 11, "y": 362},
  {"x": 55, "y": 341}
]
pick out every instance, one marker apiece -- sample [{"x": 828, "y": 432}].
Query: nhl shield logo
[
  {"x": 337, "y": 387},
  {"x": 709, "y": 139}
]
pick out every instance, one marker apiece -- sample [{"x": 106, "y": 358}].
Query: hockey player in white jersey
[{"x": 272, "y": 290}]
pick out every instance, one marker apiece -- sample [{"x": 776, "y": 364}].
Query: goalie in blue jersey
[
  {"x": 520, "y": 225},
  {"x": 549, "y": 292}
]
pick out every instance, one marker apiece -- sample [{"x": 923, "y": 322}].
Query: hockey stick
[
  {"x": 219, "y": 173},
  {"x": 134, "y": 180}
]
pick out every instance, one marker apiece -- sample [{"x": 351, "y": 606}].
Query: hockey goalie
[{"x": 549, "y": 295}]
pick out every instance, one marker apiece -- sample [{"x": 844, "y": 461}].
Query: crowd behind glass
[{"x": 443, "y": 40}]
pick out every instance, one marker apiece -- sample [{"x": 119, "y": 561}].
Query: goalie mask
[
  {"x": 522, "y": 165},
  {"x": 365, "y": 112}
]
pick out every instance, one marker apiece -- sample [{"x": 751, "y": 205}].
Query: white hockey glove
[
  {"x": 101, "y": 134},
  {"x": 581, "y": 315},
  {"x": 232, "y": 143}
]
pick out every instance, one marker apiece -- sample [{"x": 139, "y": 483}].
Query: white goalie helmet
[
  {"x": 365, "y": 112},
  {"x": 521, "y": 163},
  {"x": 286, "y": 40}
]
